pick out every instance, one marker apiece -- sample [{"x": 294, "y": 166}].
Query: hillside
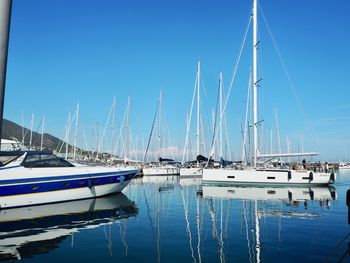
[{"x": 13, "y": 131}]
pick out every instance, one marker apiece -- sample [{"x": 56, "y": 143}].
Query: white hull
[
  {"x": 191, "y": 172},
  {"x": 161, "y": 171},
  {"x": 51, "y": 185},
  {"x": 344, "y": 167},
  {"x": 270, "y": 193},
  {"x": 38, "y": 173},
  {"x": 267, "y": 177}
]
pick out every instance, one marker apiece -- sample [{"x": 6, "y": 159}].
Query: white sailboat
[
  {"x": 163, "y": 166},
  {"x": 262, "y": 175},
  {"x": 197, "y": 170}
]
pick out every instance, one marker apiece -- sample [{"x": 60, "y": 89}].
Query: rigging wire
[
  {"x": 215, "y": 116},
  {"x": 291, "y": 84},
  {"x": 104, "y": 131},
  {"x": 189, "y": 119},
  {"x": 66, "y": 137},
  {"x": 232, "y": 80},
  {"x": 150, "y": 136}
]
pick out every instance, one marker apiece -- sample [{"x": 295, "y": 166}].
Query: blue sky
[{"x": 65, "y": 52}]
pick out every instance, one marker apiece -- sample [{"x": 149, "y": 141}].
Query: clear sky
[{"x": 63, "y": 52}]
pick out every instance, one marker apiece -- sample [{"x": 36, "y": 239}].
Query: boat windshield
[
  {"x": 6, "y": 159},
  {"x": 45, "y": 160}
]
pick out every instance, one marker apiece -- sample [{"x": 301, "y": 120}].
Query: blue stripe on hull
[
  {"x": 66, "y": 184},
  {"x": 64, "y": 177}
]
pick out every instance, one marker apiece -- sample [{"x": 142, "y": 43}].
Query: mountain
[{"x": 13, "y": 131}]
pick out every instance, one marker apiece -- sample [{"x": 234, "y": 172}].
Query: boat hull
[
  {"x": 191, "y": 172},
  {"x": 160, "y": 171},
  {"x": 267, "y": 177},
  {"x": 72, "y": 184}
]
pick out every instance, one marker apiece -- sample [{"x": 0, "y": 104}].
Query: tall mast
[
  {"x": 271, "y": 142},
  {"x": 126, "y": 148},
  {"x": 22, "y": 130},
  {"x": 67, "y": 135},
  {"x": 5, "y": 18},
  {"x": 198, "y": 107},
  {"x": 187, "y": 146},
  {"x": 278, "y": 136},
  {"x": 221, "y": 116},
  {"x": 76, "y": 131},
  {"x": 137, "y": 147},
  {"x": 187, "y": 128},
  {"x": 159, "y": 124},
  {"x": 97, "y": 143},
  {"x": 31, "y": 132},
  {"x": 42, "y": 134},
  {"x": 288, "y": 148},
  {"x": 255, "y": 79},
  {"x": 245, "y": 154},
  {"x": 112, "y": 126}
]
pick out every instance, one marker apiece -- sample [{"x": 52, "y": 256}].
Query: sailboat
[
  {"x": 164, "y": 166},
  {"x": 195, "y": 170},
  {"x": 262, "y": 175},
  {"x": 39, "y": 177}
]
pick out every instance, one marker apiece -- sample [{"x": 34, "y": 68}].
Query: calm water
[{"x": 165, "y": 219}]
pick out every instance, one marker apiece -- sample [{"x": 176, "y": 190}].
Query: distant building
[{"x": 10, "y": 145}]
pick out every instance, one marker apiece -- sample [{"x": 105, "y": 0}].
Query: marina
[
  {"x": 250, "y": 165},
  {"x": 205, "y": 223}
]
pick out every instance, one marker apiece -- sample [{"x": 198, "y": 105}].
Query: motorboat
[
  {"x": 343, "y": 166},
  {"x": 39, "y": 177}
]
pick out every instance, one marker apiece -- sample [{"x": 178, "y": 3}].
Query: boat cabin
[{"x": 31, "y": 159}]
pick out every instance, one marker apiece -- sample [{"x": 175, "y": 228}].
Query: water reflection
[
  {"x": 209, "y": 223},
  {"x": 160, "y": 179},
  {"x": 260, "y": 206},
  {"x": 291, "y": 194},
  {"x": 27, "y": 231},
  {"x": 181, "y": 220}
]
